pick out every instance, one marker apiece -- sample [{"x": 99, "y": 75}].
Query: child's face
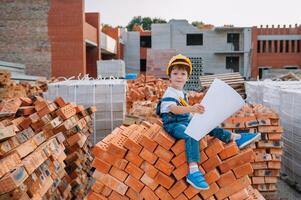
[{"x": 178, "y": 78}]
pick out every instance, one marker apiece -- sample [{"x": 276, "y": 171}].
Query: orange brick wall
[
  {"x": 115, "y": 34},
  {"x": 93, "y": 53},
  {"x": 274, "y": 58},
  {"x": 66, "y": 31}
]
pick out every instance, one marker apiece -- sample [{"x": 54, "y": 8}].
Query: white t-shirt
[{"x": 173, "y": 93}]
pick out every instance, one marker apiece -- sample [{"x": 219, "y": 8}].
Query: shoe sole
[
  {"x": 256, "y": 138},
  {"x": 188, "y": 181}
]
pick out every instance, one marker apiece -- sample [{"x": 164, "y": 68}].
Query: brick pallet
[
  {"x": 268, "y": 150},
  {"x": 43, "y": 153},
  {"x": 144, "y": 162}
]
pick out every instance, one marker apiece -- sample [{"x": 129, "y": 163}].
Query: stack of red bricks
[
  {"x": 43, "y": 153},
  {"x": 268, "y": 150},
  {"x": 10, "y": 89},
  {"x": 145, "y": 88},
  {"x": 144, "y": 162}
]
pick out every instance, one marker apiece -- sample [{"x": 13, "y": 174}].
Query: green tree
[{"x": 145, "y": 22}]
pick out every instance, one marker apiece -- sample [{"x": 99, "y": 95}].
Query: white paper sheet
[{"x": 220, "y": 102}]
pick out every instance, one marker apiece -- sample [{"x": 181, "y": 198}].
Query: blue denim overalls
[{"x": 175, "y": 125}]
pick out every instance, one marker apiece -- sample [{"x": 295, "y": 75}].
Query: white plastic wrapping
[
  {"x": 109, "y": 97},
  {"x": 285, "y": 98}
]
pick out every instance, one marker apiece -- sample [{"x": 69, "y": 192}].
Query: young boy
[{"x": 175, "y": 113}]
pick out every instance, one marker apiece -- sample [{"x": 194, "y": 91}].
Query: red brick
[
  {"x": 25, "y": 101},
  {"x": 134, "y": 171},
  {"x": 196, "y": 197},
  {"x": 66, "y": 111},
  {"x": 148, "y": 181},
  {"x": 259, "y": 165},
  {"x": 230, "y": 150},
  {"x": 163, "y": 194},
  {"x": 149, "y": 169},
  {"x": 164, "y": 166},
  {"x": 191, "y": 191},
  {"x": 233, "y": 188},
  {"x": 148, "y": 194},
  {"x": 106, "y": 191},
  {"x": 270, "y": 179},
  {"x": 243, "y": 170},
  {"x": 177, "y": 188},
  {"x": 60, "y": 101},
  {"x": 203, "y": 144},
  {"x": 203, "y": 157},
  {"x": 181, "y": 171},
  {"x": 116, "y": 150},
  {"x": 134, "y": 158},
  {"x": 134, "y": 183},
  {"x": 163, "y": 153},
  {"x": 121, "y": 164},
  {"x": 181, "y": 197},
  {"x": 117, "y": 173},
  {"x": 132, "y": 142},
  {"x": 213, "y": 188},
  {"x": 212, "y": 176},
  {"x": 115, "y": 196},
  {"x": 211, "y": 163},
  {"x": 114, "y": 184},
  {"x": 148, "y": 143},
  {"x": 257, "y": 180},
  {"x": 148, "y": 156},
  {"x": 164, "y": 180},
  {"x": 179, "y": 159},
  {"x": 95, "y": 196},
  {"x": 238, "y": 160},
  {"x": 98, "y": 187},
  {"x": 243, "y": 194},
  {"x": 179, "y": 147},
  {"x": 226, "y": 179},
  {"x": 164, "y": 139},
  {"x": 274, "y": 164},
  {"x": 214, "y": 148},
  {"x": 133, "y": 195},
  {"x": 275, "y": 136}
]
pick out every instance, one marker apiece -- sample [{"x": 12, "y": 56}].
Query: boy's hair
[{"x": 180, "y": 67}]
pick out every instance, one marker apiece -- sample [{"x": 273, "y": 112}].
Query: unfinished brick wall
[{"x": 24, "y": 34}]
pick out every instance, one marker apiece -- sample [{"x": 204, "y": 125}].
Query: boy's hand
[{"x": 197, "y": 108}]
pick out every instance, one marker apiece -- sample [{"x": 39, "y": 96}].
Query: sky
[{"x": 216, "y": 12}]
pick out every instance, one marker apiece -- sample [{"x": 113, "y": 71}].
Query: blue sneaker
[
  {"x": 246, "y": 139},
  {"x": 197, "y": 180}
]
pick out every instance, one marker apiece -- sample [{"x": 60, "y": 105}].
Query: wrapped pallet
[
  {"x": 285, "y": 98},
  {"x": 107, "y": 95},
  {"x": 108, "y": 68},
  {"x": 290, "y": 113}
]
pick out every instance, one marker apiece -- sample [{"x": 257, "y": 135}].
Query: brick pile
[
  {"x": 145, "y": 88},
  {"x": 43, "y": 149},
  {"x": 268, "y": 150},
  {"x": 10, "y": 89},
  {"x": 143, "y": 95},
  {"x": 144, "y": 162}
]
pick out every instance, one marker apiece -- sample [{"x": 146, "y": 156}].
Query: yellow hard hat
[{"x": 179, "y": 60}]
